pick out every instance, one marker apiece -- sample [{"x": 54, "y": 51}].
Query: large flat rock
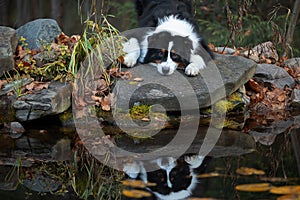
[{"x": 177, "y": 92}]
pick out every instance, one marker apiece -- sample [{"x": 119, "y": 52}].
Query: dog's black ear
[
  {"x": 159, "y": 38},
  {"x": 188, "y": 44}
]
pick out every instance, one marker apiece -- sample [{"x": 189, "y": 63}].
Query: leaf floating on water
[
  {"x": 136, "y": 193},
  {"x": 137, "y": 183},
  {"x": 274, "y": 179},
  {"x": 249, "y": 171},
  {"x": 203, "y": 198},
  {"x": 289, "y": 197},
  {"x": 286, "y": 190},
  {"x": 256, "y": 187},
  {"x": 209, "y": 175}
]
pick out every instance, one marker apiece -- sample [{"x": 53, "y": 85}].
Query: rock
[
  {"x": 16, "y": 130},
  {"x": 54, "y": 100},
  {"x": 15, "y": 85},
  {"x": 42, "y": 182},
  {"x": 266, "y": 134},
  {"x": 295, "y": 99},
  {"x": 8, "y": 45},
  {"x": 292, "y": 63},
  {"x": 272, "y": 74},
  {"x": 8, "y": 183},
  {"x": 267, "y": 50},
  {"x": 38, "y": 32},
  {"x": 7, "y": 113},
  {"x": 226, "y": 50},
  {"x": 220, "y": 78}
]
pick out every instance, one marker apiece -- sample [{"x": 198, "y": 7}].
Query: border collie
[
  {"x": 175, "y": 179},
  {"x": 173, "y": 42}
]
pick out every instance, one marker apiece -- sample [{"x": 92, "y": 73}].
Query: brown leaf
[
  {"x": 286, "y": 190},
  {"x": 255, "y": 86},
  {"x": 289, "y": 197},
  {"x": 106, "y": 103},
  {"x": 37, "y": 86},
  {"x": 249, "y": 171},
  {"x": 256, "y": 187},
  {"x": 138, "y": 79},
  {"x": 136, "y": 193}
]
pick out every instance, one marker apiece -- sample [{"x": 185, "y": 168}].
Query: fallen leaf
[
  {"x": 249, "y": 171},
  {"x": 255, "y": 86},
  {"x": 37, "y": 86},
  {"x": 289, "y": 197},
  {"x": 286, "y": 190},
  {"x": 208, "y": 175},
  {"x": 256, "y": 187},
  {"x": 136, "y": 193},
  {"x": 138, "y": 79}
]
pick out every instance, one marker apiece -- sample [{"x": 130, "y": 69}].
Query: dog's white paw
[
  {"x": 194, "y": 161},
  {"x": 194, "y": 68},
  {"x": 132, "y": 50}
]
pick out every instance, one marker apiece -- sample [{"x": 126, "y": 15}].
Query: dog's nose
[{"x": 165, "y": 70}]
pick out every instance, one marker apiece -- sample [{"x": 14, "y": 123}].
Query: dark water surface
[{"x": 32, "y": 166}]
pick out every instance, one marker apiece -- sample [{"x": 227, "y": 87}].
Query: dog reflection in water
[{"x": 173, "y": 179}]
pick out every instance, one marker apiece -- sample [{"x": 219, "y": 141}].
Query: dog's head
[{"x": 168, "y": 52}]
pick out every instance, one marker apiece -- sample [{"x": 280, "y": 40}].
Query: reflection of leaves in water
[
  {"x": 137, "y": 184},
  {"x": 256, "y": 187},
  {"x": 246, "y": 171},
  {"x": 289, "y": 197},
  {"x": 136, "y": 193},
  {"x": 209, "y": 175}
]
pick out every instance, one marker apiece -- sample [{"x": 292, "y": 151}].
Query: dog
[
  {"x": 174, "y": 179},
  {"x": 174, "y": 42}
]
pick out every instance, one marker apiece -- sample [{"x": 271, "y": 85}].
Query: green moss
[
  {"x": 140, "y": 111},
  {"x": 231, "y": 103}
]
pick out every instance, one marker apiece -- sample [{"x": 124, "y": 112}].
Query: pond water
[{"x": 40, "y": 164}]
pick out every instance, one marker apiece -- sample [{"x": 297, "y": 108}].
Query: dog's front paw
[
  {"x": 132, "y": 50},
  {"x": 130, "y": 59},
  {"x": 197, "y": 63},
  {"x": 193, "y": 69}
]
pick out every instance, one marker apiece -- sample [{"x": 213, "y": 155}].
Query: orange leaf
[
  {"x": 136, "y": 193},
  {"x": 289, "y": 197},
  {"x": 249, "y": 171},
  {"x": 208, "y": 175},
  {"x": 256, "y": 187},
  {"x": 286, "y": 190}
]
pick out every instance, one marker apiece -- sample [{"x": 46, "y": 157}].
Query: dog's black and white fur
[
  {"x": 175, "y": 179},
  {"x": 174, "y": 42}
]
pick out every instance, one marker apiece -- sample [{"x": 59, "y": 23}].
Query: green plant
[{"x": 17, "y": 82}]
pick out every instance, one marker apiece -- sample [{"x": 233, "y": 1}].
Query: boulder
[
  {"x": 54, "y": 100},
  {"x": 38, "y": 32},
  {"x": 176, "y": 92},
  {"x": 295, "y": 99},
  {"x": 272, "y": 74},
  {"x": 8, "y": 44},
  {"x": 16, "y": 130},
  {"x": 292, "y": 63}
]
